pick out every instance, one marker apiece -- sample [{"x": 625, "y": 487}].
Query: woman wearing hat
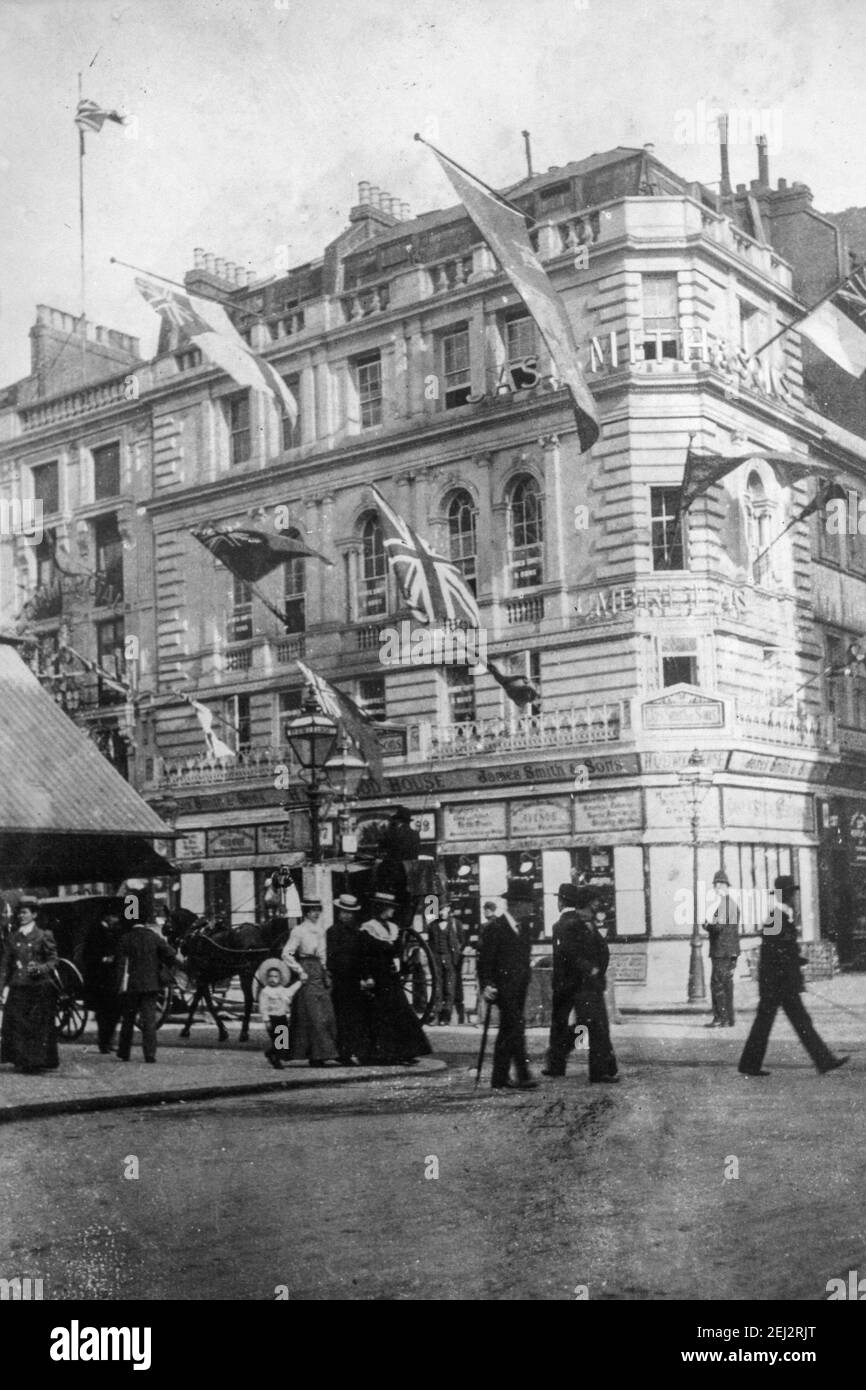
[
  {"x": 344, "y": 967},
  {"x": 780, "y": 984},
  {"x": 313, "y": 1032},
  {"x": 29, "y": 1036},
  {"x": 396, "y": 1036}
]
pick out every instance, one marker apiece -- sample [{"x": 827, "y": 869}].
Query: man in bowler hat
[
  {"x": 580, "y": 961},
  {"x": 723, "y": 929},
  {"x": 503, "y": 976}
]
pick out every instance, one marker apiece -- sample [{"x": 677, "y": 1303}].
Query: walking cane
[{"x": 483, "y": 1047}]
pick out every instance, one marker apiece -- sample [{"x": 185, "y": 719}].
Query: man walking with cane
[{"x": 503, "y": 976}]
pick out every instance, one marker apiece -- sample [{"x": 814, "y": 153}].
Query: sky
[{"x": 252, "y": 121}]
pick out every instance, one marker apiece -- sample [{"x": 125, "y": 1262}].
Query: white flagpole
[{"x": 81, "y": 230}]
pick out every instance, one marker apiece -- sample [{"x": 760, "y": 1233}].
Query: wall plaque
[
  {"x": 475, "y": 822},
  {"x": 190, "y": 845}
]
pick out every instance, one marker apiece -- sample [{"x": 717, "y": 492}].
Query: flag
[
  {"x": 432, "y": 586},
  {"x": 251, "y": 553},
  {"x": 435, "y": 589},
  {"x": 342, "y": 709},
  {"x": 215, "y": 746},
  {"x": 207, "y": 325},
  {"x": 837, "y": 324},
  {"x": 703, "y": 470},
  {"x": 503, "y": 227},
  {"x": 90, "y": 115}
]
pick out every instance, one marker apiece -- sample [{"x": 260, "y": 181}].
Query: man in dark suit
[
  {"x": 723, "y": 929},
  {"x": 503, "y": 976},
  {"x": 343, "y": 950},
  {"x": 141, "y": 952},
  {"x": 580, "y": 961}
]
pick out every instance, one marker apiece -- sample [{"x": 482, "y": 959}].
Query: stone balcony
[
  {"x": 777, "y": 724},
  {"x": 568, "y": 728}
]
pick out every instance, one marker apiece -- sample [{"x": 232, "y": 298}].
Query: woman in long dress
[
  {"x": 313, "y": 1029},
  {"x": 29, "y": 1034},
  {"x": 396, "y": 1036}
]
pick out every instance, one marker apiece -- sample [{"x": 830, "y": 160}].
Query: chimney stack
[
  {"x": 763, "y": 162},
  {"x": 725, "y": 184}
]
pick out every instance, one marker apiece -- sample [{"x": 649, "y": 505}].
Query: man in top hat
[
  {"x": 503, "y": 976},
  {"x": 446, "y": 945},
  {"x": 580, "y": 961},
  {"x": 343, "y": 953},
  {"x": 723, "y": 929}
]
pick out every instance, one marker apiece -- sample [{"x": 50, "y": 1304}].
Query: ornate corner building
[{"x": 646, "y": 634}]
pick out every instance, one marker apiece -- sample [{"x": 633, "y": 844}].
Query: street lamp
[
  {"x": 697, "y": 777},
  {"x": 311, "y": 737}
]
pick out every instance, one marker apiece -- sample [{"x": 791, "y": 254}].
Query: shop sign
[
  {"x": 425, "y": 823},
  {"x": 765, "y": 764},
  {"x": 599, "y": 768},
  {"x": 485, "y": 821},
  {"x": 540, "y": 818},
  {"x": 675, "y": 759},
  {"x": 758, "y": 809},
  {"x": 857, "y": 836},
  {"x": 660, "y": 600},
  {"x": 683, "y": 709},
  {"x": 190, "y": 845},
  {"x": 283, "y": 837},
  {"x": 628, "y": 963},
  {"x": 607, "y": 811},
  {"x": 229, "y": 840},
  {"x": 671, "y": 806}
]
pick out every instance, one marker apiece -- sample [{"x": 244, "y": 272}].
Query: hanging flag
[
  {"x": 342, "y": 709},
  {"x": 90, "y": 115},
  {"x": 250, "y": 552},
  {"x": 435, "y": 589},
  {"x": 432, "y": 586},
  {"x": 829, "y": 492},
  {"x": 207, "y": 325},
  {"x": 703, "y": 470},
  {"x": 215, "y": 746},
  {"x": 837, "y": 324},
  {"x": 504, "y": 228}
]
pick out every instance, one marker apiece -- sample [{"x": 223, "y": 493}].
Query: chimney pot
[
  {"x": 763, "y": 161},
  {"x": 783, "y": 184},
  {"x": 220, "y": 267},
  {"x": 209, "y": 259},
  {"x": 404, "y": 212},
  {"x": 384, "y": 201},
  {"x": 741, "y": 188},
  {"x": 650, "y": 148},
  {"x": 395, "y": 208},
  {"x": 364, "y": 193},
  {"x": 198, "y": 258}
]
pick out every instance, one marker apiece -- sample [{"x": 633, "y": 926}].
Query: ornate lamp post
[
  {"x": 311, "y": 737},
  {"x": 697, "y": 778}
]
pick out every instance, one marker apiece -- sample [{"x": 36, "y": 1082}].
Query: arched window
[
  {"x": 462, "y": 539},
  {"x": 760, "y": 528},
  {"x": 295, "y": 588},
  {"x": 374, "y": 569},
  {"x": 525, "y": 533}
]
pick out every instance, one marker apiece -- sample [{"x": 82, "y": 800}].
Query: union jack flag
[
  {"x": 342, "y": 709},
  {"x": 89, "y": 115},
  {"x": 432, "y": 586}
]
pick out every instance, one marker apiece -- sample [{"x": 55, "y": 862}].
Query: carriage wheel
[
  {"x": 173, "y": 998},
  {"x": 417, "y": 974},
  {"x": 70, "y": 1015}
]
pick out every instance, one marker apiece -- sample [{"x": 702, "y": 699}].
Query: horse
[{"x": 214, "y": 951}]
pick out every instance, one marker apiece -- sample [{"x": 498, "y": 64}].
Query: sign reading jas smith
[{"x": 599, "y": 769}]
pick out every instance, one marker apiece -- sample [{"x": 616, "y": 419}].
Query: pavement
[{"x": 201, "y": 1068}]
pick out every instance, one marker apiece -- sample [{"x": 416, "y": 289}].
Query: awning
[{"x": 42, "y": 860}]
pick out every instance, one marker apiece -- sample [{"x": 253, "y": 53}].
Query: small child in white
[{"x": 275, "y": 1002}]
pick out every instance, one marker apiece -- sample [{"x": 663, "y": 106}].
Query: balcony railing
[
  {"x": 361, "y": 303},
  {"x": 524, "y": 610},
  {"x": 75, "y": 404},
  {"x": 254, "y": 764},
  {"x": 580, "y": 725},
  {"x": 781, "y": 725},
  {"x": 290, "y": 649},
  {"x": 450, "y": 274}
]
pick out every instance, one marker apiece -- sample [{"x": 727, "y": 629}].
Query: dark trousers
[
  {"x": 107, "y": 1013},
  {"x": 131, "y": 1005},
  {"x": 798, "y": 1017},
  {"x": 511, "y": 1038},
  {"x": 447, "y": 982},
  {"x": 590, "y": 1011},
  {"x": 722, "y": 987},
  {"x": 277, "y": 1048}
]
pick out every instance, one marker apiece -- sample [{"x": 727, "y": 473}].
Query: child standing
[{"x": 275, "y": 1002}]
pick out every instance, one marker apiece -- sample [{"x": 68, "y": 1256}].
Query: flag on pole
[
  {"x": 504, "y": 228},
  {"x": 208, "y": 326},
  {"x": 432, "y": 586},
  {"x": 342, "y": 709},
  {"x": 215, "y": 745},
  {"x": 703, "y": 470},
  {"x": 251, "y": 553},
  {"x": 89, "y": 115},
  {"x": 435, "y": 589},
  {"x": 837, "y": 324}
]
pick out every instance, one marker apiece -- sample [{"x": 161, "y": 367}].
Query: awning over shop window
[{"x": 33, "y": 861}]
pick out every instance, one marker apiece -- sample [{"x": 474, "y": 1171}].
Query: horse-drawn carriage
[{"x": 71, "y": 921}]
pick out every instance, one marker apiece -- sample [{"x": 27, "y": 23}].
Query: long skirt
[
  {"x": 395, "y": 1033},
  {"x": 29, "y": 1035},
  {"x": 313, "y": 1031}
]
